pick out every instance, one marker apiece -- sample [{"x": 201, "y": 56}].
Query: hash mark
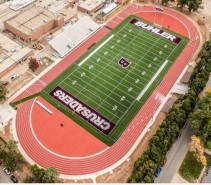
[
  {"x": 150, "y": 65},
  {"x": 122, "y": 98},
  {"x": 165, "y": 46},
  {"x": 155, "y": 58},
  {"x": 143, "y": 73},
  {"x": 130, "y": 89},
  {"x": 82, "y": 74},
  {"x": 90, "y": 67},
  {"x": 160, "y": 52},
  {"x": 137, "y": 80},
  {"x": 74, "y": 82},
  {"x": 115, "y": 107}
]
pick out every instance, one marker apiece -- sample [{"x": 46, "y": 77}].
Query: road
[
  {"x": 4, "y": 178},
  {"x": 175, "y": 156}
]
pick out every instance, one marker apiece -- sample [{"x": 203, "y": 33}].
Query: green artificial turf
[{"x": 97, "y": 79}]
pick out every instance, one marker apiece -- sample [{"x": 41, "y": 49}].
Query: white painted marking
[
  {"x": 101, "y": 45},
  {"x": 152, "y": 80},
  {"x": 74, "y": 82}
]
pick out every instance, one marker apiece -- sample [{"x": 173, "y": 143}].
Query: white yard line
[
  {"x": 106, "y": 86},
  {"x": 90, "y": 98},
  {"x": 99, "y": 91},
  {"x": 152, "y": 80},
  {"x": 101, "y": 45}
]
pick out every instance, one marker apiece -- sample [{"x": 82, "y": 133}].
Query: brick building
[{"x": 33, "y": 23}]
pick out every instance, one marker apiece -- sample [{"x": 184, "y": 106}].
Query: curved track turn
[{"x": 106, "y": 159}]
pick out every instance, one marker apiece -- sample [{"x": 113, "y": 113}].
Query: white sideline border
[
  {"x": 101, "y": 45},
  {"x": 152, "y": 80}
]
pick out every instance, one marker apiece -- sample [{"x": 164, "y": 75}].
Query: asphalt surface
[
  {"x": 175, "y": 156},
  {"x": 4, "y": 178}
]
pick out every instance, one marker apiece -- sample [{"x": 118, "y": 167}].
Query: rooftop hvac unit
[{"x": 45, "y": 20}]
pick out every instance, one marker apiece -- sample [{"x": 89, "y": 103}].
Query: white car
[
  {"x": 6, "y": 170},
  {"x": 15, "y": 76}
]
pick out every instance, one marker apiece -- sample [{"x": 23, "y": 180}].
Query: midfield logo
[
  {"x": 124, "y": 63},
  {"x": 83, "y": 110},
  {"x": 156, "y": 30}
]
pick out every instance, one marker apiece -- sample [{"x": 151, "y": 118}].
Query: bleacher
[{"x": 73, "y": 35}]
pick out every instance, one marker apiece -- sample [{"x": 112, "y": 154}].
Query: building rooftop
[
  {"x": 12, "y": 52},
  {"x": 54, "y": 6},
  {"x": 90, "y": 5},
  {"x": 73, "y": 35},
  {"x": 18, "y": 4},
  {"x": 31, "y": 19},
  {"x": 5, "y": 13}
]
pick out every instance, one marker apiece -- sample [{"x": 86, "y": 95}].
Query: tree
[
  {"x": 182, "y": 3},
  {"x": 200, "y": 119},
  {"x": 33, "y": 64},
  {"x": 198, "y": 150},
  {"x": 3, "y": 91},
  {"x": 12, "y": 160},
  {"x": 40, "y": 175},
  {"x": 193, "y": 5},
  {"x": 51, "y": 175}
]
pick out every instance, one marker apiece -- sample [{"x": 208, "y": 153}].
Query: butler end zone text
[
  {"x": 84, "y": 111},
  {"x": 155, "y": 30}
]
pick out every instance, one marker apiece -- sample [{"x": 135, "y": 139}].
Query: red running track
[{"x": 115, "y": 153}]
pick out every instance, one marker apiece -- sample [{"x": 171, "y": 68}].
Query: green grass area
[
  {"x": 190, "y": 169},
  {"x": 116, "y": 92},
  {"x": 25, "y": 99}
]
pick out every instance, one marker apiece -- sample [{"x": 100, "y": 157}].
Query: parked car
[
  {"x": 1, "y": 162},
  {"x": 14, "y": 179},
  {"x": 15, "y": 76},
  {"x": 6, "y": 170},
  {"x": 158, "y": 171}
]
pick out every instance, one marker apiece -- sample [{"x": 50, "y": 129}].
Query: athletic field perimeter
[{"x": 107, "y": 86}]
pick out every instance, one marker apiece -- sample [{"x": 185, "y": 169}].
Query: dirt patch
[
  {"x": 121, "y": 173},
  {"x": 19, "y": 83},
  {"x": 44, "y": 63}
]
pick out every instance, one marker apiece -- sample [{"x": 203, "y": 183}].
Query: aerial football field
[{"x": 105, "y": 88}]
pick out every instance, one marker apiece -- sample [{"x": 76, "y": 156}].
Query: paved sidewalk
[{"x": 178, "y": 179}]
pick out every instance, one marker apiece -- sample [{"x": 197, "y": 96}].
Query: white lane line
[
  {"x": 152, "y": 80},
  {"x": 101, "y": 45}
]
